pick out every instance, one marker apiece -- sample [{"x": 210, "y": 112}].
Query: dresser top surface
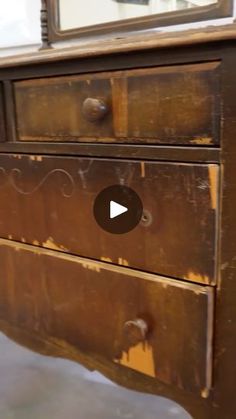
[{"x": 124, "y": 43}]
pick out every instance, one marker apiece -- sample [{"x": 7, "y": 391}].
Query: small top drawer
[
  {"x": 168, "y": 105},
  {"x": 159, "y": 327}
]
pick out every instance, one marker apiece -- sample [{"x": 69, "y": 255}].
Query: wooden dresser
[{"x": 153, "y": 309}]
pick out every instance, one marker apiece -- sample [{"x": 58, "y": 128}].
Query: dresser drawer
[
  {"x": 48, "y": 201},
  {"x": 176, "y": 104},
  {"x": 159, "y": 327}
]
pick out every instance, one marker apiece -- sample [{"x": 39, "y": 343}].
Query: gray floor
[{"x": 37, "y": 387}]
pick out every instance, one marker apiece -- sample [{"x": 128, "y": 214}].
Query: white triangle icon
[{"x": 116, "y": 209}]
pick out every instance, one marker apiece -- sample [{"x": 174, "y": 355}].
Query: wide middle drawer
[{"x": 48, "y": 201}]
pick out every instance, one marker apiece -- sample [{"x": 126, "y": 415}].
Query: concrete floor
[{"x": 37, "y": 387}]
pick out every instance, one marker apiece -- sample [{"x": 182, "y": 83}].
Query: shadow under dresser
[{"x": 153, "y": 309}]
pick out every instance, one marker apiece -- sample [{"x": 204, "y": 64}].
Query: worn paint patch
[
  {"x": 213, "y": 178},
  {"x": 205, "y": 393},
  {"x": 10, "y": 237},
  {"x": 201, "y": 140},
  {"x": 17, "y": 156},
  {"x": 195, "y": 277},
  {"x": 105, "y": 259},
  {"x": 36, "y": 243},
  {"x": 123, "y": 262},
  {"x": 139, "y": 358},
  {"x": 50, "y": 244},
  {"x": 91, "y": 266},
  {"x": 142, "y": 169}
]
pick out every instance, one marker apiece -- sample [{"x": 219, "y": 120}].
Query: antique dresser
[{"x": 153, "y": 309}]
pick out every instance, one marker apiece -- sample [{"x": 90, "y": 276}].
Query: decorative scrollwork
[
  {"x": 83, "y": 171},
  {"x": 67, "y": 188}
]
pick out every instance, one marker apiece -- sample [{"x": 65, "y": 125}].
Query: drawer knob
[
  {"x": 135, "y": 331},
  {"x": 94, "y": 109}
]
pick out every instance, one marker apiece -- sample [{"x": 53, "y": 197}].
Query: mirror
[
  {"x": 93, "y": 12},
  {"x": 67, "y": 19}
]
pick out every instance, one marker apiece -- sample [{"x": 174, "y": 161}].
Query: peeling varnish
[
  {"x": 213, "y": 178},
  {"x": 158, "y": 279},
  {"x": 91, "y": 266},
  {"x": 139, "y": 358},
  {"x": 123, "y": 262},
  {"x": 205, "y": 393},
  {"x": 201, "y": 140},
  {"x": 142, "y": 169},
  {"x": 50, "y": 244},
  {"x": 105, "y": 259},
  {"x": 197, "y": 278},
  {"x": 36, "y": 158}
]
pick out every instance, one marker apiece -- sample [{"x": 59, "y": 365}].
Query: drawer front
[
  {"x": 48, "y": 201},
  {"x": 177, "y": 104},
  {"x": 2, "y": 116},
  {"x": 119, "y": 315}
]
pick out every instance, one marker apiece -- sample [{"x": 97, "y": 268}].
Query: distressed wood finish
[
  {"x": 50, "y": 203},
  {"x": 73, "y": 300},
  {"x": 170, "y": 105},
  {"x": 2, "y": 116},
  {"x": 134, "y": 52}
]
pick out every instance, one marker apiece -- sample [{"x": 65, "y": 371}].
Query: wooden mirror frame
[{"x": 51, "y": 16}]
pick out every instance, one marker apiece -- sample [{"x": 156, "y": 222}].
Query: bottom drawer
[{"x": 157, "y": 326}]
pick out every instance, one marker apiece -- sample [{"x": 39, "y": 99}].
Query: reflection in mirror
[
  {"x": 81, "y": 13},
  {"x": 36, "y": 386}
]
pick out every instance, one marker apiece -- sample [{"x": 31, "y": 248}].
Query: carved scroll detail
[{"x": 67, "y": 188}]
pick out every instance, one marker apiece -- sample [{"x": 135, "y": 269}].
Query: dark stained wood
[
  {"x": 74, "y": 300},
  {"x": 141, "y": 106},
  {"x": 48, "y": 201},
  {"x": 225, "y": 339},
  {"x": 9, "y": 111},
  {"x": 152, "y": 152},
  {"x": 141, "y": 51},
  {"x": 2, "y": 116}
]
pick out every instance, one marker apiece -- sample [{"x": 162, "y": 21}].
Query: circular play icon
[{"x": 118, "y": 209}]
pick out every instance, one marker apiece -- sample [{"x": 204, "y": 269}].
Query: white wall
[{"x": 19, "y": 24}]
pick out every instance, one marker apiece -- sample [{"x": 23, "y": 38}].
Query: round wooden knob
[
  {"x": 94, "y": 109},
  {"x": 135, "y": 331}
]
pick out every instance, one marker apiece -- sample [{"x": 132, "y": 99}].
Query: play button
[{"x": 118, "y": 209}]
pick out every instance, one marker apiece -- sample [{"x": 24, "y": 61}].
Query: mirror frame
[{"x": 221, "y": 9}]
